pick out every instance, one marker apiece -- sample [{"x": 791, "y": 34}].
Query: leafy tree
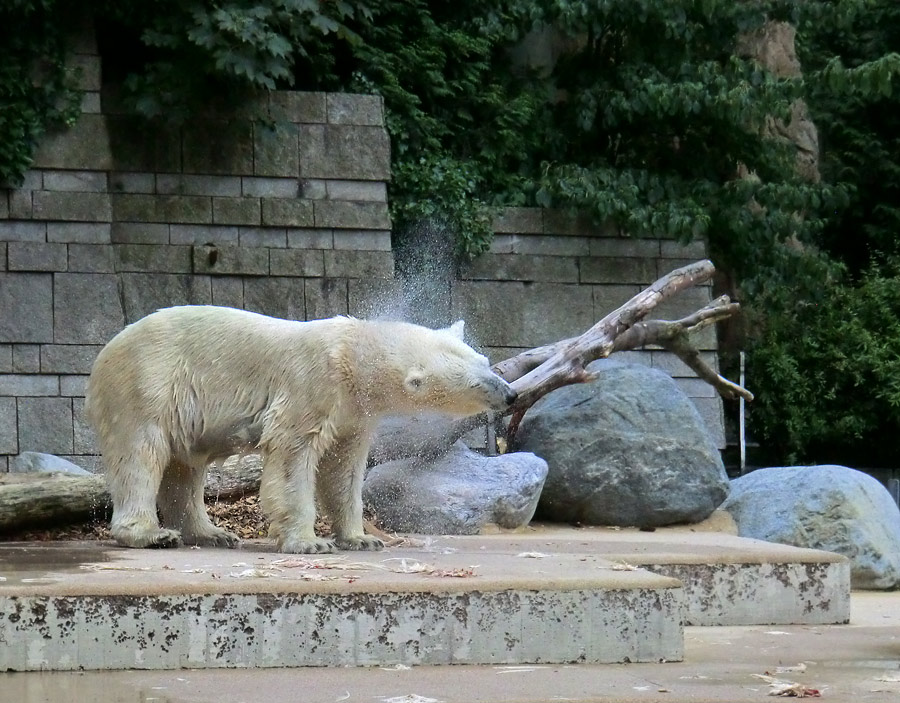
[
  {"x": 823, "y": 346},
  {"x": 855, "y": 58},
  {"x": 828, "y": 374}
]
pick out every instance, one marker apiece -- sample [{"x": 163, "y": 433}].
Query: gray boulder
[
  {"x": 458, "y": 493},
  {"x": 37, "y": 462},
  {"x": 628, "y": 449},
  {"x": 823, "y": 507}
]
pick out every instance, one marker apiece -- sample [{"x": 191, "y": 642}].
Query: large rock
[
  {"x": 458, "y": 493},
  {"x": 628, "y": 449},
  {"x": 38, "y": 462},
  {"x": 823, "y": 507}
]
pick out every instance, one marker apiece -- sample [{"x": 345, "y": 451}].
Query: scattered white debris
[
  {"x": 417, "y": 567},
  {"x": 788, "y": 689},
  {"x": 410, "y": 698},
  {"x": 345, "y": 697},
  {"x": 624, "y": 566},
  {"x": 777, "y": 632},
  {"x": 516, "y": 669},
  {"x": 889, "y": 678},
  {"x": 339, "y": 563},
  {"x": 409, "y": 566},
  {"x": 532, "y": 555},
  {"x": 253, "y": 573},
  {"x": 2, "y": 578},
  {"x": 396, "y": 667},
  {"x": 114, "y": 567}
]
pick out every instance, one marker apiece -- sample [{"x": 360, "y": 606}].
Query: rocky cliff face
[{"x": 774, "y": 46}]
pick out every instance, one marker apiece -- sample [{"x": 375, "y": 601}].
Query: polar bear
[{"x": 188, "y": 385}]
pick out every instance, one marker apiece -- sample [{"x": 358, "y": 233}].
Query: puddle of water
[
  {"x": 103, "y": 687},
  {"x": 29, "y": 562}
]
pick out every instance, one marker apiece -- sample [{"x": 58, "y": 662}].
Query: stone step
[
  {"x": 545, "y": 595},
  {"x": 67, "y": 606},
  {"x": 727, "y": 580}
]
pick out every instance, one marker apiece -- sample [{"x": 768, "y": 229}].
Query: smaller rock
[
  {"x": 37, "y": 462},
  {"x": 459, "y": 493},
  {"x": 828, "y": 507}
]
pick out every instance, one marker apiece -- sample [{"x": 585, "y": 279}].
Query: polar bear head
[{"x": 421, "y": 369}]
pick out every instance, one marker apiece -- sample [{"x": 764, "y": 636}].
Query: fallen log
[
  {"x": 39, "y": 500},
  {"x": 58, "y": 500}
]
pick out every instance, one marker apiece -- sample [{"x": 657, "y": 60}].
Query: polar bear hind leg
[
  {"x": 181, "y": 505},
  {"x": 134, "y": 475}
]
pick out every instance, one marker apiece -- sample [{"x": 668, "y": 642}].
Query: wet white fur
[{"x": 188, "y": 385}]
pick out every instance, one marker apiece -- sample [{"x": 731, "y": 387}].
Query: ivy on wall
[{"x": 36, "y": 87}]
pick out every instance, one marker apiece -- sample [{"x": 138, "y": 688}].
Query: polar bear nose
[{"x": 511, "y": 396}]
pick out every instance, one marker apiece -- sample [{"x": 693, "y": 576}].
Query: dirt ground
[{"x": 242, "y": 516}]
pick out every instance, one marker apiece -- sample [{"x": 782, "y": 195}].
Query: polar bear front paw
[
  {"x": 307, "y": 546},
  {"x": 213, "y": 538},
  {"x": 146, "y": 538},
  {"x": 365, "y": 543}
]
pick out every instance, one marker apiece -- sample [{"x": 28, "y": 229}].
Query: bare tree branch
[{"x": 536, "y": 372}]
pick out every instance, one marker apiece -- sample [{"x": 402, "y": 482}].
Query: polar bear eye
[{"x": 414, "y": 381}]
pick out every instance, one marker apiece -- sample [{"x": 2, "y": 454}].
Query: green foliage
[
  {"x": 852, "y": 51},
  {"x": 645, "y": 117},
  {"x": 827, "y": 373},
  {"x": 662, "y": 119},
  {"x": 461, "y": 122},
  {"x": 35, "y": 86},
  {"x": 200, "y": 51},
  {"x": 824, "y": 361}
]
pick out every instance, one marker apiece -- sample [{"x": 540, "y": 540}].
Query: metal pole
[{"x": 743, "y": 435}]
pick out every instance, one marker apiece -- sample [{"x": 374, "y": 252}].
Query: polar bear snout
[
  {"x": 511, "y": 396},
  {"x": 500, "y": 394}
]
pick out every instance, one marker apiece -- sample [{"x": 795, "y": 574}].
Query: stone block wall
[
  {"x": 282, "y": 209},
  {"x": 549, "y": 276}
]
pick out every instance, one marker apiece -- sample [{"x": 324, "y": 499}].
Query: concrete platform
[
  {"x": 547, "y": 595},
  {"x": 859, "y": 662}
]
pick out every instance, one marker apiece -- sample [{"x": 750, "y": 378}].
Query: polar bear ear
[{"x": 458, "y": 329}]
